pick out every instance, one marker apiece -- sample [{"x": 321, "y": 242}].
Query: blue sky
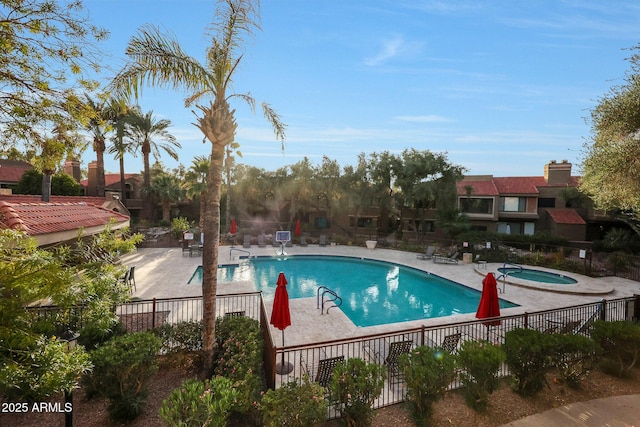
[{"x": 502, "y": 87}]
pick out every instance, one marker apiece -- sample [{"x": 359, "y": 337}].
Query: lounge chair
[
  {"x": 132, "y": 279},
  {"x": 303, "y": 241},
  {"x": 240, "y": 313},
  {"x": 323, "y": 240},
  {"x": 584, "y": 327},
  {"x": 446, "y": 259},
  {"x": 561, "y": 327},
  {"x": 195, "y": 249},
  {"x": 450, "y": 342},
  {"x": 324, "y": 370},
  {"x": 428, "y": 253},
  {"x": 186, "y": 247},
  {"x": 246, "y": 242},
  {"x": 261, "y": 241},
  {"x": 390, "y": 357}
]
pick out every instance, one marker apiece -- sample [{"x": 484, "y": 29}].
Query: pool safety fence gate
[{"x": 312, "y": 360}]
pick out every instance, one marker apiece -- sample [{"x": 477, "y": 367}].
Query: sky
[{"x": 502, "y": 87}]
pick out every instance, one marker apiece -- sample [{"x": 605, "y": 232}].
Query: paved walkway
[{"x": 618, "y": 411}]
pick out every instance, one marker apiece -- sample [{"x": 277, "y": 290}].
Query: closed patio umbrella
[
  {"x": 233, "y": 228},
  {"x": 489, "y": 305},
  {"x": 298, "y": 228},
  {"x": 281, "y": 318}
]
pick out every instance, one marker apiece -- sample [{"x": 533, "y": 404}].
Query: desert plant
[
  {"x": 199, "y": 403},
  {"x": 428, "y": 372},
  {"x": 354, "y": 386},
  {"x": 179, "y": 226},
  {"x": 122, "y": 367},
  {"x": 573, "y": 355},
  {"x": 180, "y": 337},
  {"x": 480, "y": 362},
  {"x": 527, "y": 352},
  {"x": 620, "y": 344},
  {"x": 294, "y": 405}
]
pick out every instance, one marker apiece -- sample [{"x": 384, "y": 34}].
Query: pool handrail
[
  {"x": 337, "y": 301},
  {"x": 504, "y": 276},
  {"x": 239, "y": 250}
]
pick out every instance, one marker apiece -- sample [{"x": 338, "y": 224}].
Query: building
[{"x": 10, "y": 173}]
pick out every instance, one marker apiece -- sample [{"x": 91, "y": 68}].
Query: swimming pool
[
  {"x": 373, "y": 292},
  {"x": 537, "y": 275}
]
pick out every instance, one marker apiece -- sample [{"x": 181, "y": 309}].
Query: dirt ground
[{"x": 505, "y": 405}]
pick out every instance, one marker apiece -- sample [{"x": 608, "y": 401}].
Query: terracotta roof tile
[
  {"x": 12, "y": 170},
  {"x": 30, "y": 198},
  {"x": 111, "y": 179},
  {"x": 480, "y": 188},
  {"x": 565, "y": 216},
  {"x": 45, "y": 218}
]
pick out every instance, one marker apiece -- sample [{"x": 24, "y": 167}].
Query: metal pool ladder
[{"x": 331, "y": 298}]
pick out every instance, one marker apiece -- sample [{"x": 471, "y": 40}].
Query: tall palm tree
[
  {"x": 159, "y": 59},
  {"x": 98, "y": 126},
  {"x": 195, "y": 183},
  {"x": 229, "y": 161},
  {"x": 118, "y": 112},
  {"x": 167, "y": 189},
  {"x": 146, "y": 132}
]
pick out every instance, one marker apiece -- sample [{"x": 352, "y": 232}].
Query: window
[
  {"x": 546, "y": 202},
  {"x": 476, "y": 205},
  {"x": 513, "y": 204}
]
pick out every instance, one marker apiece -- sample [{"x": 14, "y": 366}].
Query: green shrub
[
  {"x": 122, "y": 367},
  {"x": 179, "y": 226},
  {"x": 239, "y": 358},
  {"x": 573, "y": 355},
  {"x": 480, "y": 362},
  {"x": 294, "y": 405},
  {"x": 354, "y": 386},
  {"x": 180, "y": 337},
  {"x": 527, "y": 353},
  {"x": 428, "y": 372},
  {"x": 620, "y": 344},
  {"x": 93, "y": 335},
  {"x": 199, "y": 403}
]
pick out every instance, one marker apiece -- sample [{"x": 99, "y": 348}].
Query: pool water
[
  {"x": 537, "y": 275},
  {"x": 372, "y": 292}
]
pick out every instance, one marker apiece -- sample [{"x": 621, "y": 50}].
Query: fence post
[
  {"x": 423, "y": 332},
  {"x": 603, "y": 312},
  {"x": 526, "y": 320},
  {"x": 153, "y": 314}
]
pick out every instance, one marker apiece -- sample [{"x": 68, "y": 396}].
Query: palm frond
[{"x": 276, "y": 122}]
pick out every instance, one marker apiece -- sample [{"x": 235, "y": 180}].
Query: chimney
[
  {"x": 92, "y": 178},
  {"x": 72, "y": 168},
  {"x": 557, "y": 173}
]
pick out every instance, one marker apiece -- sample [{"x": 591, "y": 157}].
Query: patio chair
[
  {"x": 186, "y": 247},
  {"x": 446, "y": 259},
  {"x": 556, "y": 327},
  {"x": 584, "y": 327},
  {"x": 261, "y": 241},
  {"x": 389, "y": 355},
  {"x": 240, "y": 313},
  {"x": 246, "y": 242},
  {"x": 195, "y": 250},
  {"x": 325, "y": 370},
  {"x": 303, "y": 240},
  {"x": 428, "y": 253},
  {"x": 132, "y": 279},
  {"x": 323, "y": 240},
  {"x": 450, "y": 342}
]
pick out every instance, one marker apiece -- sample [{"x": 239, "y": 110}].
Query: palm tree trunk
[
  {"x": 148, "y": 201},
  {"x": 101, "y": 184},
  {"x": 219, "y": 127},
  {"x": 46, "y": 186}
]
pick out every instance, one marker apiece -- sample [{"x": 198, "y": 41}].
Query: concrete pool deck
[{"x": 165, "y": 273}]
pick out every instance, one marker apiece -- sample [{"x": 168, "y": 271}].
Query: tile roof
[
  {"x": 12, "y": 170},
  {"x": 565, "y": 216},
  {"x": 45, "y": 218},
  {"x": 29, "y": 198},
  {"x": 520, "y": 185},
  {"x": 111, "y": 179}
]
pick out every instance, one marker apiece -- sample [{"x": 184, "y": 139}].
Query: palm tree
[
  {"x": 98, "y": 126},
  {"x": 144, "y": 130},
  {"x": 195, "y": 183},
  {"x": 229, "y": 161},
  {"x": 159, "y": 59},
  {"x": 166, "y": 188},
  {"x": 118, "y": 112}
]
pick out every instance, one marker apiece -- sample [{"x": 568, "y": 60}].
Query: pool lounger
[{"x": 442, "y": 259}]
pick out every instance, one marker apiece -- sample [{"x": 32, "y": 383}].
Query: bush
[
  {"x": 573, "y": 355},
  {"x": 480, "y": 362},
  {"x": 180, "y": 337},
  {"x": 199, "y": 403},
  {"x": 179, "y": 226},
  {"x": 354, "y": 386},
  {"x": 527, "y": 352},
  {"x": 239, "y": 358},
  {"x": 122, "y": 367},
  {"x": 294, "y": 405},
  {"x": 428, "y": 372},
  {"x": 620, "y": 344},
  {"x": 92, "y": 335}
]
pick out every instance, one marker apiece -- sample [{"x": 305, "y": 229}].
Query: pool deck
[{"x": 165, "y": 272}]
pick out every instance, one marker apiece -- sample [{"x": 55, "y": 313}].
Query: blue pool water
[
  {"x": 372, "y": 292},
  {"x": 537, "y": 275}
]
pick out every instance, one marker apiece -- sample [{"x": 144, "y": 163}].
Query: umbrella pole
[
  {"x": 283, "y": 350},
  {"x": 283, "y": 368}
]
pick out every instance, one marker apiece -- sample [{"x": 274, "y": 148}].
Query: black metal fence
[{"x": 312, "y": 360}]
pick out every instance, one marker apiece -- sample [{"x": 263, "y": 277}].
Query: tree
[
  {"x": 229, "y": 161},
  {"x": 98, "y": 126},
  {"x": 195, "y": 184},
  {"x": 158, "y": 59},
  {"x": 146, "y": 132},
  {"x": 118, "y": 112},
  {"x": 611, "y": 166},
  {"x": 61, "y": 184},
  {"x": 166, "y": 188}
]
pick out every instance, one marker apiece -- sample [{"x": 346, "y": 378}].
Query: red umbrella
[
  {"x": 234, "y": 227},
  {"x": 298, "y": 228},
  {"x": 281, "y": 318},
  {"x": 489, "y": 305}
]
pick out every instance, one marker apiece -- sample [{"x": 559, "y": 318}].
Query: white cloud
[{"x": 390, "y": 49}]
